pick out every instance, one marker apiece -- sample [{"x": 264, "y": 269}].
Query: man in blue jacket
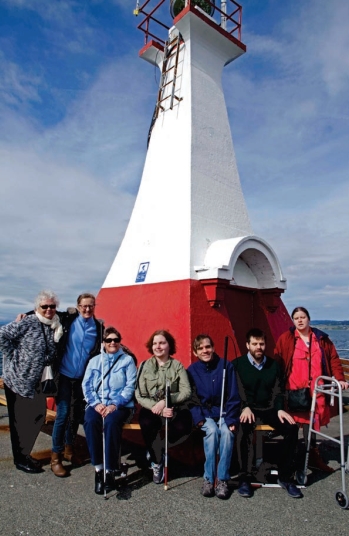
[{"x": 206, "y": 377}]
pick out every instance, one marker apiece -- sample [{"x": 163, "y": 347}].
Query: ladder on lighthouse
[
  {"x": 167, "y": 87},
  {"x": 169, "y": 74}
]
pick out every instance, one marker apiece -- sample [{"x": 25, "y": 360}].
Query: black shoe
[
  {"x": 28, "y": 465},
  {"x": 35, "y": 462},
  {"x": 245, "y": 490},
  {"x": 109, "y": 482},
  {"x": 99, "y": 482}
]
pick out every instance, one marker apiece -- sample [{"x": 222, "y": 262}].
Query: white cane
[
  {"x": 223, "y": 380},
  {"x": 167, "y": 398},
  {"x": 103, "y": 433}
]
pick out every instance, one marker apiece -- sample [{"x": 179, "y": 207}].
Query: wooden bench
[{"x": 51, "y": 415}]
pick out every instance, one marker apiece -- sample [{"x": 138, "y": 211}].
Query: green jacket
[{"x": 151, "y": 382}]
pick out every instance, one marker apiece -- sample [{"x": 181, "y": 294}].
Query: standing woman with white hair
[{"x": 28, "y": 346}]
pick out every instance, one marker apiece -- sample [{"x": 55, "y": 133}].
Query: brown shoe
[
  {"x": 56, "y": 464},
  {"x": 316, "y": 462},
  {"x": 71, "y": 456}
]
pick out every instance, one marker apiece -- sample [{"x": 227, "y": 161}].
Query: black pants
[
  {"x": 179, "y": 428},
  {"x": 287, "y": 448},
  {"x": 26, "y": 417}
]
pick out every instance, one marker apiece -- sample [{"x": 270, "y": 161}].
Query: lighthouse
[{"x": 189, "y": 261}]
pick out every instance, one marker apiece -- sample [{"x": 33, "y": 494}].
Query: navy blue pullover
[{"x": 206, "y": 380}]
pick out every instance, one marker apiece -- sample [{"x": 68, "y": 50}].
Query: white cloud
[
  {"x": 67, "y": 191},
  {"x": 62, "y": 227},
  {"x": 16, "y": 86}
]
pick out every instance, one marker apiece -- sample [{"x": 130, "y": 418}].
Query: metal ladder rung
[
  {"x": 165, "y": 98},
  {"x": 167, "y": 83}
]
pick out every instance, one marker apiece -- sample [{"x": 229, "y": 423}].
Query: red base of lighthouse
[{"x": 189, "y": 307}]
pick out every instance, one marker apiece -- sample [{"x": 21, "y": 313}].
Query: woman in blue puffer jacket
[{"x": 109, "y": 405}]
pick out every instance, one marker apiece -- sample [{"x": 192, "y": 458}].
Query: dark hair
[
  {"x": 170, "y": 339},
  {"x": 256, "y": 333},
  {"x": 300, "y": 309},
  {"x": 109, "y": 330},
  {"x": 199, "y": 338},
  {"x": 85, "y": 295}
]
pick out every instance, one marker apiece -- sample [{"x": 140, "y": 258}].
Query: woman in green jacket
[{"x": 150, "y": 394}]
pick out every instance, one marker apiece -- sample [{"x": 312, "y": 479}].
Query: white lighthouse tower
[{"x": 189, "y": 261}]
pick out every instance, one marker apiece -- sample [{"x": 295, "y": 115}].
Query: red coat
[{"x": 331, "y": 365}]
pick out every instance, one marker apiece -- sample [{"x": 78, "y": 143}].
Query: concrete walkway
[{"x": 46, "y": 505}]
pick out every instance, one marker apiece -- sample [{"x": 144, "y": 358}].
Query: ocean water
[{"x": 340, "y": 338}]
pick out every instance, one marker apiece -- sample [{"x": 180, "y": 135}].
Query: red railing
[{"x": 157, "y": 18}]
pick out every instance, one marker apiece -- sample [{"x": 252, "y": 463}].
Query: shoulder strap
[
  {"x": 309, "y": 361},
  {"x": 139, "y": 375},
  {"x": 108, "y": 371},
  {"x": 44, "y": 334}
]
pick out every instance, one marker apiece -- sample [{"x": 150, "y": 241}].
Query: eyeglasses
[
  {"x": 84, "y": 307},
  {"x": 44, "y": 307},
  {"x": 111, "y": 339}
]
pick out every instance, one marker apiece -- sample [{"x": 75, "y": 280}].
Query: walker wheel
[
  {"x": 342, "y": 499},
  {"x": 301, "y": 478}
]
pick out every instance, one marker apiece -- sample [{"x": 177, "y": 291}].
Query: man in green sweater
[{"x": 262, "y": 393}]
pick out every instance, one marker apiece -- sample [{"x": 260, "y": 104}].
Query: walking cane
[
  {"x": 222, "y": 397},
  {"x": 167, "y": 405},
  {"x": 103, "y": 432},
  {"x": 223, "y": 379}
]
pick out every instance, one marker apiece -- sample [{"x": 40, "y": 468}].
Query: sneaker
[
  {"x": 245, "y": 490},
  {"x": 158, "y": 472},
  {"x": 207, "y": 489},
  {"x": 291, "y": 489},
  {"x": 222, "y": 490}
]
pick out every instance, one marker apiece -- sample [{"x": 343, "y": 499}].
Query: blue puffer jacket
[
  {"x": 206, "y": 379},
  {"x": 119, "y": 384}
]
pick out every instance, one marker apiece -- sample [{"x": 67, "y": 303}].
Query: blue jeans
[
  {"x": 217, "y": 441},
  {"x": 70, "y": 408}
]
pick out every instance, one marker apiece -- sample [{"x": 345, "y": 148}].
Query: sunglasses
[
  {"x": 44, "y": 307},
  {"x": 113, "y": 339}
]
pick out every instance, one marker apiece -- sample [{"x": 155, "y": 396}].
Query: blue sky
[{"x": 75, "y": 107}]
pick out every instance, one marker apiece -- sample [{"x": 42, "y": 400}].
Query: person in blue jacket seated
[
  {"x": 206, "y": 376},
  {"x": 109, "y": 406}
]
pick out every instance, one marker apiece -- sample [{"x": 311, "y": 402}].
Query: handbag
[
  {"x": 48, "y": 386},
  {"x": 300, "y": 399}
]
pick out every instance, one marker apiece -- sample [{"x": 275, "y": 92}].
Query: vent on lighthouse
[{"x": 178, "y": 5}]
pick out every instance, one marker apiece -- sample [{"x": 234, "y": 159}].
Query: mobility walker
[{"x": 331, "y": 388}]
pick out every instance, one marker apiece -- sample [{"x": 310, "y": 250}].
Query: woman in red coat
[{"x": 307, "y": 353}]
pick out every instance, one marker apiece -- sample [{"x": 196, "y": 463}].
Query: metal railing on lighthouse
[{"x": 159, "y": 14}]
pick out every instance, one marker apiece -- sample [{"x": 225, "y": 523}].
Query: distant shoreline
[{"x": 331, "y": 324}]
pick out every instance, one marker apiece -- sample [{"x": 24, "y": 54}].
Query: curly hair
[{"x": 45, "y": 295}]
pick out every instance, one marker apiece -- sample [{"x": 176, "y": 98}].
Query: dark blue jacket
[{"x": 206, "y": 379}]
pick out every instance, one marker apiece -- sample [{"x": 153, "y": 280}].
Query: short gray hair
[{"x": 46, "y": 295}]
